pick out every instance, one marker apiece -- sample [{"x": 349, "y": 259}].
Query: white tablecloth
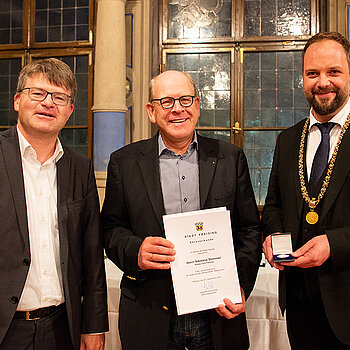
[{"x": 266, "y": 326}]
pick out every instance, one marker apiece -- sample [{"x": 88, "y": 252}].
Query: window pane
[
  {"x": 273, "y": 97},
  {"x": 11, "y": 21},
  {"x": 259, "y": 147},
  {"x": 277, "y": 17},
  {"x": 273, "y": 90},
  {"x": 199, "y": 19},
  {"x": 79, "y": 66},
  {"x": 212, "y": 76},
  {"x": 77, "y": 138},
  {"x": 219, "y": 135},
  {"x": 9, "y": 70},
  {"x": 61, "y": 20}
]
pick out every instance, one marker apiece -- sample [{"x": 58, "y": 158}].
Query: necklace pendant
[
  {"x": 311, "y": 217},
  {"x": 312, "y": 203}
]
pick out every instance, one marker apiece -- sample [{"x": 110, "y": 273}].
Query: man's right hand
[
  {"x": 156, "y": 253},
  {"x": 267, "y": 248}
]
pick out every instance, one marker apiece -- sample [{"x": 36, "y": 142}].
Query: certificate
[{"x": 204, "y": 271}]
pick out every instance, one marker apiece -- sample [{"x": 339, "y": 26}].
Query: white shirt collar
[
  {"x": 339, "y": 118},
  {"x": 26, "y": 148}
]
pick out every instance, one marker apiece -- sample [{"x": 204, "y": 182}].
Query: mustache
[{"x": 324, "y": 90}]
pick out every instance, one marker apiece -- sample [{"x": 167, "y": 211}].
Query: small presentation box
[{"x": 282, "y": 247}]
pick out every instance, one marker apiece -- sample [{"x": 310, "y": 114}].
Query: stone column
[{"x": 110, "y": 81}]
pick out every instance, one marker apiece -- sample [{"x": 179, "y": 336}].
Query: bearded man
[{"x": 308, "y": 196}]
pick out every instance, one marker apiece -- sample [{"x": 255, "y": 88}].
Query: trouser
[
  {"x": 191, "y": 331},
  {"x": 308, "y": 328},
  {"x": 48, "y": 333}
]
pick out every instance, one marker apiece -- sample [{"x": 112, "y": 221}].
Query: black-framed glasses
[
  {"x": 37, "y": 94},
  {"x": 168, "y": 102}
]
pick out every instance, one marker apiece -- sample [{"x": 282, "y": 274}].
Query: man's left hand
[
  {"x": 92, "y": 341},
  {"x": 313, "y": 253},
  {"x": 231, "y": 310}
]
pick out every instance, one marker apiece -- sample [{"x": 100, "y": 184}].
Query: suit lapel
[
  {"x": 208, "y": 156},
  {"x": 13, "y": 164},
  {"x": 340, "y": 172},
  {"x": 149, "y": 167},
  {"x": 63, "y": 178}
]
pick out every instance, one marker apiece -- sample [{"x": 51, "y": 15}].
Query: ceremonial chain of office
[{"x": 312, "y": 216}]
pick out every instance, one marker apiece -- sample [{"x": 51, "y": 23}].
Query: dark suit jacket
[
  {"x": 133, "y": 210},
  {"x": 80, "y": 239},
  {"x": 283, "y": 213}
]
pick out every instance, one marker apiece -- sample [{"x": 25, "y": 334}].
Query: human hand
[
  {"x": 267, "y": 249},
  {"x": 92, "y": 341},
  {"x": 156, "y": 253},
  {"x": 231, "y": 310},
  {"x": 313, "y": 253}
]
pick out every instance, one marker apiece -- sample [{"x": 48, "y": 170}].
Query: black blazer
[
  {"x": 133, "y": 210},
  {"x": 81, "y": 250},
  {"x": 283, "y": 213}
]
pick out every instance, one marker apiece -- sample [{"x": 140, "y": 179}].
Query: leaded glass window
[
  {"x": 199, "y": 19},
  {"x": 61, "y": 20},
  {"x": 75, "y": 134},
  {"x": 273, "y": 98},
  {"x": 11, "y": 21},
  {"x": 276, "y": 17},
  {"x": 212, "y": 75},
  {"x": 9, "y": 70}
]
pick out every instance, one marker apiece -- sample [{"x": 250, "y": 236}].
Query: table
[{"x": 266, "y": 326}]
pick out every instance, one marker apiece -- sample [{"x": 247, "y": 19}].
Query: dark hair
[
  {"x": 56, "y": 71},
  {"x": 152, "y": 82},
  {"x": 337, "y": 37}
]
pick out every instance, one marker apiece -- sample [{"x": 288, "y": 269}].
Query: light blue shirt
[{"x": 179, "y": 178}]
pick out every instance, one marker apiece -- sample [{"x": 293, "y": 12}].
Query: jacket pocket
[
  {"x": 129, "y": 288},
  {"x": 225, "y": 199}
]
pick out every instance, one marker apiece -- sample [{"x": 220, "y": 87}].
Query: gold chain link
[{"x": 314, "y": 202}]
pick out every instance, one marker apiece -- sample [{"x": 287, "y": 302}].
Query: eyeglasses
[
  {"x": 168, "y": 102},
  {"x": 37, "y": 94}
]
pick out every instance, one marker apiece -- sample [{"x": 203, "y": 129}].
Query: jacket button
[
  {"x": 14, "y": 300},
  {"x": 165, "y": 308},
  {"x": 26, "y": 262}
]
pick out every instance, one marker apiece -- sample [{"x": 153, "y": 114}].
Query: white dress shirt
[
  {"x": 314, "y": 135},
  {"x": 43, "y": 286}
]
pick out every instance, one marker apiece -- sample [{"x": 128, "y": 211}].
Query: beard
[{"x": 325, "y": 106}]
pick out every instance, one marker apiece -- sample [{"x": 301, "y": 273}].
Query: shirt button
[
  {"x": 185, "y": 200},
  {"x": 183, "y": 177},
  {"x": 14, "y": 300}
]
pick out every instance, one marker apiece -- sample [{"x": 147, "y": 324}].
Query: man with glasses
[
  {"x": 176, "y": 171},
  {"x": 53, "y": 287}
]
